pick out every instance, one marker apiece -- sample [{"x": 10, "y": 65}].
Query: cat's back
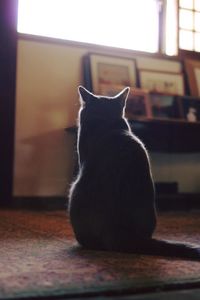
[{"x": 119, "y": 147}]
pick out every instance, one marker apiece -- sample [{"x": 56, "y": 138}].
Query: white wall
[
  {"x": 181, "y": 168},
  {"x": 46, "y": 102}
]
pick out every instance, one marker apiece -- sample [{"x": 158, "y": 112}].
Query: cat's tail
[
  {"x": 168, "y": 249},
  {"x": 155, "y": 247}
]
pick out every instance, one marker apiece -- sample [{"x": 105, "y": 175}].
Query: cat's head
[{"x": 102, "y": 107}]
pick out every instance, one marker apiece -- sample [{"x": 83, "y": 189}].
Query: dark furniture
[{"x": 168, "y": 136}]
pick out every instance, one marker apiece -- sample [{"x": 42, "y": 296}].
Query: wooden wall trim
[{"x": 8, "y": 49}]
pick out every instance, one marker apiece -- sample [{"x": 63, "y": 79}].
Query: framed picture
[
  {"x": 137, "y": 105},
  {"x": 162, "y": 82},
  {"x": 193, "y": 76},
  {"x": 111, "y": 71},
  {"x": 160, "y": 65},
  {"x": 165, "y": 106},
  {"x": 191, "y": 108}
]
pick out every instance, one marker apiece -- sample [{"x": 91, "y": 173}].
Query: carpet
[{"x": 39, "y": 257}]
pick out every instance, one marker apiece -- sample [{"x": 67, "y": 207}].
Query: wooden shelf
[{"x": 168, "y": 136}]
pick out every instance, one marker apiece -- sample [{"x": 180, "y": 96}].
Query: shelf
[{"x": 168, "y": 136}]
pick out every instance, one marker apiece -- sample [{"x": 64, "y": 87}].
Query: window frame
[{"x": 179, "y": 28}]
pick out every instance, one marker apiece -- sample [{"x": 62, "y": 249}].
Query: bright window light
[
  {"x": 129, "y": 24},
  {"x": 171, "y": 28}
]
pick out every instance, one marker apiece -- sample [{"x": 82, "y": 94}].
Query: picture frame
[
  {"x": 137, "y": 105},
  {"x": 165, "y": 106},
  {"x": 190, "y": 108},
  {"x": 193, "y": 76},
  {"x": 159, "y": 64},
  {"x": 162, "y": 82},
  {"x": 111, "y": 70}
]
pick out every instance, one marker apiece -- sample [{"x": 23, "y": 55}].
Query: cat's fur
[{"x": 111, "y": 203}]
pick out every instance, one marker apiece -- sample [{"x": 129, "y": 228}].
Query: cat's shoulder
[
  {"x": 125, "y": 139},
  {"x": 130, "y": 137},
  {"x": 134, "y": 144}
]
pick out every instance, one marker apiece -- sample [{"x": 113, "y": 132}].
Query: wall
[
  {"x": 46, "y": 102},
  {"x": 181, "y": 168}
]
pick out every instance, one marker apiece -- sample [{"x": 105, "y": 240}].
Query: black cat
[{"x": 112, "y": 201}]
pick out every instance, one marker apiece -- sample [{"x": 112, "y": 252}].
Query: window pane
[
  {"x": 125, "y": 24},
  {"x": 197, "y": 4},
  {"x": 197, "y": 21},
  {"x": 186, "y": 19},
  {"x": 197, "y": 42},
  {"x": 186, "y": 4},
  {"x": 186, "y": 40}
]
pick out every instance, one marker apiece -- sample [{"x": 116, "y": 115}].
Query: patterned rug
[{"x": 39, "y": 257}]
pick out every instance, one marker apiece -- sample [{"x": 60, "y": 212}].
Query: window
[
  {"x": 129, "y": 24},
  {"x": 144, "y": 25},
  {"x": 189, "y": 25},
  {"x": 170, "y": 31}
]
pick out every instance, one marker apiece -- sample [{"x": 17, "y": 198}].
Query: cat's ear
[
  {"x": 123, "y": 95},
  {"x": 85, "y": 95}
]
